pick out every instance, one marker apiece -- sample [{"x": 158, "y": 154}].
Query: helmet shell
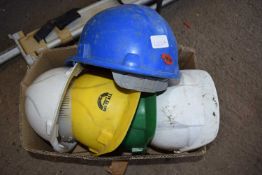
[
  {"x": 143, "y": 126},
  {"x": 130, "y": 38},
  {"x": 43, "y": 101},
  {"x": 187, "y": 113},
  {"x": 101, "y": 112}
]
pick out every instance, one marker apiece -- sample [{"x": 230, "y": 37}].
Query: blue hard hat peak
[{"x": 131, "y": 39}]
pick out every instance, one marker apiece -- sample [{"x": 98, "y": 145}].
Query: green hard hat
[{"x": 142, "y": 128}]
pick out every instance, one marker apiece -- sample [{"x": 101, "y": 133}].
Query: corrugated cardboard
[{"x": 34, "y": 144}]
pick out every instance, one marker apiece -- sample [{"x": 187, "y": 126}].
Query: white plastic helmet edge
[{"x": 46, "y": 126}]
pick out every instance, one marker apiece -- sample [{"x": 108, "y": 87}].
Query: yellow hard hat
[{"x": 101, "y": 112}]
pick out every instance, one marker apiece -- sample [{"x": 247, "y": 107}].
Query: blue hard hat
[{"x": 131, "y": 39}]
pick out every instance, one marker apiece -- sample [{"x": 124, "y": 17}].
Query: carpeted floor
[{"x": 227, "y": 37}]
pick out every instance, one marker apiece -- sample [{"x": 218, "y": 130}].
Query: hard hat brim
[
  {"x": 140, "y": 83},
  {"x": 125, "y": 69}
]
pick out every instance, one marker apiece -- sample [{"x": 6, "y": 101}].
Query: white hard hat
[
  {"x": 43, "y": 101},
  {"x": 187, "y": 113}
]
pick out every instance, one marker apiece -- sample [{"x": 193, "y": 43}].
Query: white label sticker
[{"x": 159, "y": 41}]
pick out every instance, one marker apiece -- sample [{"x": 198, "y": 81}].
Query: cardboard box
[{"x": 35, "y": 144}]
